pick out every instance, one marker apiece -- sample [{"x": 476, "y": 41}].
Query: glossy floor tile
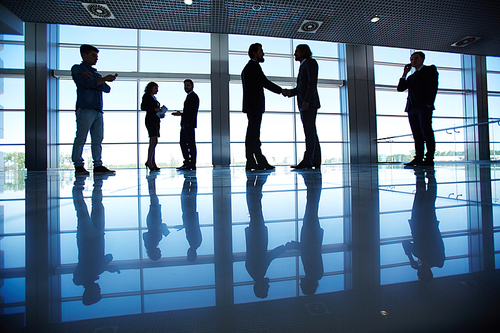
[{"x": 174, "y": 243}]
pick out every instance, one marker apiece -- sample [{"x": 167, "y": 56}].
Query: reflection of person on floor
[
  {"x": 311, "y": 235},
  {"x": 156, "y": 229},
  {"x": 190, "y": 217},
  {"x": 92, "y": 261},
  {"x": 258, "y": 258},
  {"x": 427, "y": 245}
]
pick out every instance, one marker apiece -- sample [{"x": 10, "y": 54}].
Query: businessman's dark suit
[
  {"x": 307, "y": 91},
  {"x": 254, "y": 81},
  {"x": 188, "y": 124},
  {"x": 422, "y": 89}
]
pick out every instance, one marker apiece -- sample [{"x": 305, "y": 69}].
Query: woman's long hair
[{"x": 149, "y": 87}]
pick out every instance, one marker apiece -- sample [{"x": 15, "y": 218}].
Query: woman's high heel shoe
[{"x": 150, "y": 167}]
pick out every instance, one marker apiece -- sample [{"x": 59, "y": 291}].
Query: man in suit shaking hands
[
  {"x": 308, "y": 101},
  {"x": 422, "y": 88},
  {"x": 254, "y": 81},
  {"x": 189, "y": 116}
]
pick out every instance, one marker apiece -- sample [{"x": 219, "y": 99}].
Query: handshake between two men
[{"x": 288, "y": 93}]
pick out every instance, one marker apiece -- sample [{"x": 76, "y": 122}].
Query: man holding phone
[
  {"x": 89, "y": 88},
  {"x": 422, "y": 88}
]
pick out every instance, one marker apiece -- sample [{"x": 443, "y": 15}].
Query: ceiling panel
[{"x": 418, "y": 24}]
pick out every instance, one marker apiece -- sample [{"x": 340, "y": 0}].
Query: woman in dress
[{"x": 151, "y": 106}]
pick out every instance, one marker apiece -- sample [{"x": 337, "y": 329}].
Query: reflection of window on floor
[
  {"x": 282, "y": 224},
  {"x": 452, "y": 212},
  {"x": 143, "y": 284}
]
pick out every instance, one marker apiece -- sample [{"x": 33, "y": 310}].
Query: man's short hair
[
  {"x": 253, "y": 48},
  {"x": 190, "y": 81},
  {"x": 86, "y": 49},
  {"x": 421, "y": 54},
  {"x": 305, "y": 48}
]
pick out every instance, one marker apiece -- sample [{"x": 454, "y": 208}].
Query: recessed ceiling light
[
  {"x": 256, "y": 7},
  {"x": 465, "y": 41},
  {"x": 188, "y": 2},
  {"x": 375, "y": 19}
]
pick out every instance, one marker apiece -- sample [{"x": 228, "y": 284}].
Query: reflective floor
[{"x": 224, "y": 250}]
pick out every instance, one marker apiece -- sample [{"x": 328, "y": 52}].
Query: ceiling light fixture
[
  {"x": 97, "y": 10},
  {"x": 188, "y": 2},
  {"x": 375, "y": 19},
  {"x": 465, "y": 41},
  {"x": 310, "y": 26},
  {"x": 256, "y": 7}
]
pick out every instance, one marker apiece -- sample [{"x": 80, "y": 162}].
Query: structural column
[
  {"x": 358, "y": 97},
  {"x": 40, "y": 96},
  {"x": 220, "y": 100}
]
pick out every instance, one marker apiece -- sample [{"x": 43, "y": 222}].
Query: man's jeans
[{"x": 88, "y": 120}]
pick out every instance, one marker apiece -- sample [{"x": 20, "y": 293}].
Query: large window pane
[
  {"x": 174, "y": 39},
  {"x": 450, "y": 105},
  {"x": 123, "y": 96},
  {"x": 390, "y": 102},
  {"x": 109, "y": 60},
  {"x": 493, "y": 63},
  {"x": 278, "y": 153},
  {"x": 388, "y": 75},
  {"x": 238, "y": 126},
  {"x": 174, "y": 62},
  {"x": 269, "y": 44},
  {"x": 67, "y": 127},
  {"x": 276, "y": 66},
  {"x": 493, "y": 80},
  {"x": 319, "y": 49},
  {"x": 329, "y": 127},
  {"x": 391, "y": 55},
  {"x": 330, "y": 153},
  {"x": 11, "y": 127},
  {"x": 393, "y": 126},
  {"x": 114, "y": 156},
  {"x": 13, "y": 93},
  {"x": 450, "y": 79},
  {"x": 235, "y": 97},
  {"x": 67, "y": 95},
  {"x": 12, "y": 55},
  {"x": 119, "y": 127},
  {"x": 441, "y": 59},
  {"x": 329, "y": 98},
  {"x": 276, "y": 127},
  {"x": 276, "y": 102},
  {"x": 327, "y": 69},
  {"x": 97, "y": 35}
]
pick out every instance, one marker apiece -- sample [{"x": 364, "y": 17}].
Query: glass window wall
[
  {"x": 137, "y": 55},
  {"x": 493, "y": 84},
  {"x": 282, "y": 135},
  {"x": 392, "y": 122}
]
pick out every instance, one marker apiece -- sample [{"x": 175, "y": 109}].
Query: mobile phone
[
  {"x": 116, "y": 74},
  {"x": 408, "y": 66}
]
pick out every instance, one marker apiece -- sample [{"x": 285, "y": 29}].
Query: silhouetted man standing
[
  {"x": 422, "y": 88},
  {"x": 308, "y": 101},
  {"x": 189, "y": 117},
  {"x": 254, "y": 81},
  {"x": 89, "y": 88}
]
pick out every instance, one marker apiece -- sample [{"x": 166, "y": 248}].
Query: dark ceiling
[{"x": 417, "y": 24}]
